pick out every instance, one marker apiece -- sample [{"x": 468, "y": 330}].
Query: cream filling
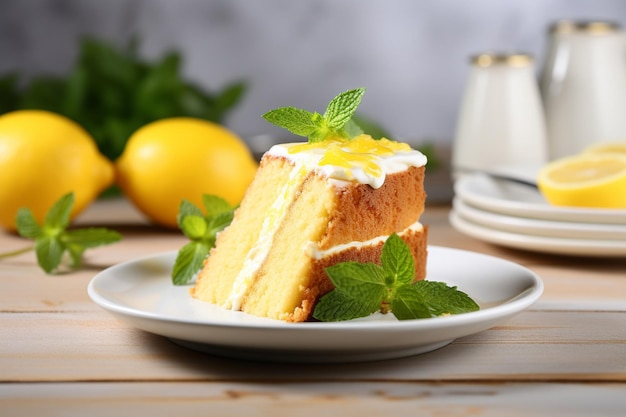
[
  {"x": 260, "y": 250},
  {"x": 312, "y": 248}
]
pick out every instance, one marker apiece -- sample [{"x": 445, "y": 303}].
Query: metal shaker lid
[
  {"x": 503, "y": 59},
  {"x": 591, "y": 27}
]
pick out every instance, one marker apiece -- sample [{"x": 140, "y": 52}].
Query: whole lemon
[
  {"x": 43, "y": 156},
  {"x": 180, "y": 158}
]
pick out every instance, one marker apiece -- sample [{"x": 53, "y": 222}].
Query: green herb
[
  {"x": 372, "y": 127},
  {"x": 53, "y": 240},
  {"x": 112, "y": 92},
  {"x": 365, "y": 288},
  {"x": 336, "y": 120},
  {"x": 201, "y": 230}
]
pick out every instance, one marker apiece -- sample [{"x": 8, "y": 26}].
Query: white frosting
[{"x": 389, "y": 164}]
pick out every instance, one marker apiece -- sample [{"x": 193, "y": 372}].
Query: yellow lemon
[
  {"x": 585, "y": 180},
  {"x": 608, "y": 147},
  {"x": 180, "y": 158},
  {"x": 43, "y": 156}
]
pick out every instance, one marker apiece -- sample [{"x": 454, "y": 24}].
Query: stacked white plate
[{"x": 509, "y": 214}]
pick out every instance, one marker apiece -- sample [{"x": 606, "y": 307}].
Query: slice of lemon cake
[{"x": 312, "y": 205}]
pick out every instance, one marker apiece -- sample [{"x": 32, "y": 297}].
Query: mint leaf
[
  {"x": 352, "y": 129},
  {"x": 193, "y": 226},
  {"x": 408, "y": 304},
  {"x": 52, "y": 239},
  {"x": 90, "y": 237},
  {"x": 297, "y": 121},
  {"x": 76, "y": 254},
  {"x": 362, "y": 281},
  {"x": 319, "y": 135},
  {"x": 442, "y": 299},
  {"x": 364, "y": 288},
  {"x": 58, "y": 217},
  {"x": 219, "y": 222},
  {"x": 397, "y": 260},
  {"x": 189, "y": 261},
  {"x": 373, "y": 128},
  {"x": 187, "y": 208},
  {"x": 338, "y": 306},
  {"x": 215, "y": 205},
  {"x": 341, "y": 109},
  {"x": 26, "y": 223},
  {"x": 201, "y": 229},
  {"x": 49, "y": 250},
  {"x": 335, "y": 122}
]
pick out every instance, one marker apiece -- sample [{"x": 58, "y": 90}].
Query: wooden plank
[
  {"x": 535, "y": 345},
  {"x": 312, "y": 399}
]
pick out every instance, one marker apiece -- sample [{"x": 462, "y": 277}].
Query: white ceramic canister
[
  {"x": 583, "y": 86},
  {"x": 501, "y": 120}
]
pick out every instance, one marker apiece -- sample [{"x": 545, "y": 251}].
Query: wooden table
[{"x": 60, "y": 354}]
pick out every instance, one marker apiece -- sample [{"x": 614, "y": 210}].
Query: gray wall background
[{"x": 411, "y": 55}]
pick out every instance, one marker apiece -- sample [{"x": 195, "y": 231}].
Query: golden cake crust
[{"x": 366, "y": 213}]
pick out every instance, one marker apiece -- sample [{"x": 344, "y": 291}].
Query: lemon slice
[
  {"x": 585, "y": 180},
  {"x": 608, "y": 147}
]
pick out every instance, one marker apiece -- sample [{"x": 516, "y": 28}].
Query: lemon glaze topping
[{"x": 362, "y": 159}]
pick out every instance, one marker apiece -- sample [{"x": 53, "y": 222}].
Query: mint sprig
[
  {"x": 53, "y": 240},
  {"x": 365, "y": 288},
  {"x": 201, "y": 229},
  {"x": 335, "y": 122}
]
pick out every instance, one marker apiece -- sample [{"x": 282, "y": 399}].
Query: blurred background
[{"x": 411, "y": 55}]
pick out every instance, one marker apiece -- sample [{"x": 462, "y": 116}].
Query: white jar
[
  {"x": 583, "y": 86},
  {"x": 501, "y": 120}
]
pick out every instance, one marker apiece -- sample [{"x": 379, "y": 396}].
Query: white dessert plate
[
  {"x": 141, "y": 294},
  {"x": 510, "y": 198},
  {"x": 553, "y": 245},
  {"x": 538, "y": 227}
]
